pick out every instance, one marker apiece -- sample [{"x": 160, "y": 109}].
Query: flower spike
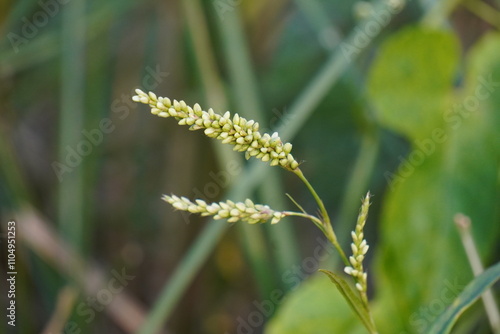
[
  {"x": 233, "y": 212},
  {"x": 359, "y": 249},
  {"x": 243, "y": 134}
]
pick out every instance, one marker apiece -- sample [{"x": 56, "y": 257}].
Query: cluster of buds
[
  {"x": 359, "y": 249},
  {"x": 243, "y": 134},
  {"x": 233, "y": 212}
]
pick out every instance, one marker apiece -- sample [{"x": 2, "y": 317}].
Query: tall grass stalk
[{"x": 70, "y": 195}]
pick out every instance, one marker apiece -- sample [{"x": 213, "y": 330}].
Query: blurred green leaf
[
  {"x": 316, "y": 307},
  {"x": 473, "y": 151},
  {"x": 420, "y": 263},
  {"x": 415, "y": 62},
  {"x": 471, "y": 293}
]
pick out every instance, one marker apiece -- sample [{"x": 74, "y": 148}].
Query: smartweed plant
[{"x": 245, "y": 137}]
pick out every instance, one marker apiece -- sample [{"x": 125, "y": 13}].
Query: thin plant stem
[
  {"x": 314, "y": 219},
  {"x": 318, "y": 200},
  {"x": 296, "y": 204},
  {"x": 330, "y": 234},
  {"x": 327, "y": 225},
  {"x": 464, "y": 227}
]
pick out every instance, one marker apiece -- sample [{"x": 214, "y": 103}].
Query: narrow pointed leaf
[
  {"x": 471, "y": 293},
  {"x": 352, "y": 298}
]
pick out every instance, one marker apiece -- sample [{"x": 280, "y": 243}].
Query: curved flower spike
[
  {"x": 233, "y": 212},
  {"x": 243, "y": 134}
]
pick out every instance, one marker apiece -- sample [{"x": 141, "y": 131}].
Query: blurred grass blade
[
  {"x": 351, "y": 297},
  {"x": 244, "y": 87},
  {"x": 182, "y": 277},
  {"x": 253, "y": 241},
  {"x": 471, "y": 293},
  {"x": 327, "y": 75},
  {"x": 71, "y": 183}
]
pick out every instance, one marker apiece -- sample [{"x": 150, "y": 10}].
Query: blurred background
[{"x": 399, "y": 98}]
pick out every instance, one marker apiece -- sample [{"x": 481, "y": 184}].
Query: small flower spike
[
  {"x": 233, "y": 212},
  {"x": 243, "y": 134},
  {"x": 359, "y": 249}
]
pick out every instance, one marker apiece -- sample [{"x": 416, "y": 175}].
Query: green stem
[
  {"x": 327, "y": 225},
  {"x": 321, "y": 206},
  {"x": 314, "y": 219},
  {"x": 330, "y": 234}
]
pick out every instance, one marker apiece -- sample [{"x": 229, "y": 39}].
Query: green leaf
[
  {"x": 414, "y": 62},
  {"x": 419, "y": 255},
  {"x": 471, "y": 293},
  {"x": 352, "y": 298},
  {"x": 314, "y": 307}
]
